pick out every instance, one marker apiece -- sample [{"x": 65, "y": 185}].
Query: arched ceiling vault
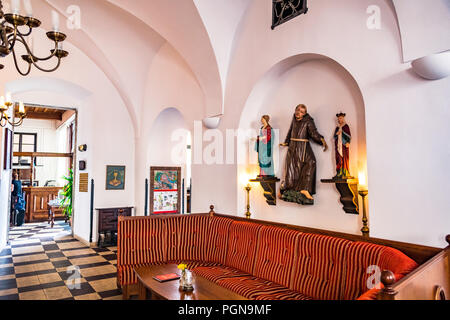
[{"x": 122, "y": 38}]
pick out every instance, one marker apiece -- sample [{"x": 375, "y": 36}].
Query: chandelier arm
[
  {"x": 12, "y": 42},
  {"x": 16, "y": 123},
  {"x": 17, "y": 66},
  {"x": 22, "y": 40},
  {"x": 48, "y": 70},
  {"x": 3, "y": 123},
  {"x": 25, "y": 34}
]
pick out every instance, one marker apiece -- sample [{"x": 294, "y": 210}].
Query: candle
[
  {"x": 2, "y": 103},
  {"x": 21, "y": 108},
  {"x": 362, "y": 180},
  {"x": 55, "y": 20},
  {"x": 8, "y": 97},
  {"x": 28, "y": 8},
  {"x": 15, "y": 6},
  {"x": 60, "y": 46}
]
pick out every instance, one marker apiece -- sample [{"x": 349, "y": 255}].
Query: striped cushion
[
  {"x": 275, "y": 254},
  {"x": 217, "y": 273},
  {"x": 191, "y": 265},
  {"x": 126, "y": 274},
  {"x": 319, "y": 267},
  {"x": 284, "y": 295},
  {"x": 255, "y": 288},
  {"x": 187, "y": 238},
  {"x": 361, "y": 255},
  {"x": 242, "y": 241},
  {"x": 141, "y": 241},
  {"x": 218, "y": 239}
]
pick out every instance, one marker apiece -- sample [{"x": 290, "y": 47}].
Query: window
[{"x": 24, "y": 142}]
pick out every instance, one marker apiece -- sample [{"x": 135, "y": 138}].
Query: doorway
[{"x": 43, "y": 153}]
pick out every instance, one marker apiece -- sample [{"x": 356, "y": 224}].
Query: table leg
[
  {"x": 142, "y": 291},
  {"x": 52, "y": 215}
]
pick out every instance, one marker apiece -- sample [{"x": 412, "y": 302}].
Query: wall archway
[{"x": 327, "y": 88}]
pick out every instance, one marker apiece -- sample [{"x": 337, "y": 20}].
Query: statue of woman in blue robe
[{"x": 264, "y": 147}]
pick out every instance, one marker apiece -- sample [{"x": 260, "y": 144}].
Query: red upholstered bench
[{"x": 256, "y": 260}]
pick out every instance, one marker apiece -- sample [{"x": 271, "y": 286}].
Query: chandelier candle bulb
[
  {"x": 8, "y": 97},
  {"x": 2, "y": 103},
  {"x": 21, "y": 108},
  {"x": 15, "y": 6},
  {"x": 28, "y": 8},
  {"x": 55, "y": 20}
]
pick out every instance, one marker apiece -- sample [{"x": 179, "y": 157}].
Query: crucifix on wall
[{"x": 285, "y": 10}]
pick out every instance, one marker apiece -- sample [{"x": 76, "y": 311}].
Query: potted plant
[{"x": 67, "y": 193}]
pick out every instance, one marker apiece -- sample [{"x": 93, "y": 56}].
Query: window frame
[{"x": 21, "y": 134}]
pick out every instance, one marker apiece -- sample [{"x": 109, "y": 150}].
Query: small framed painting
[
  {"x": 115, "y": 177},
  {"x": 165, "y": 190}
]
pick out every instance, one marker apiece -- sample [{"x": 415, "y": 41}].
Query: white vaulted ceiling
[{"x": 122, "y": 37}]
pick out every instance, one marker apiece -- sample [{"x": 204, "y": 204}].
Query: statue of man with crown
[{"x": 342, "y": 139}]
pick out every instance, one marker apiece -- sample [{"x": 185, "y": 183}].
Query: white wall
[
  {"x": 173, "y": 100},
  {"x": 406, "y": 185}
]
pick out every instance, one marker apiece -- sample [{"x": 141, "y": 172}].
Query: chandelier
[
  {"x": 10, "y": 35},
  {"x": 5, "y": 119}
]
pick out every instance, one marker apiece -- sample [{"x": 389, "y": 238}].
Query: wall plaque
[{"x": 84, "y": 182}]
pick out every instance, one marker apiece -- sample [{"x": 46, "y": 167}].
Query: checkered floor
[{"x": 42, "y": 263}]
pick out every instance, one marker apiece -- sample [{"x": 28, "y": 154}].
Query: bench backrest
[{"x": 319, "y": 266}]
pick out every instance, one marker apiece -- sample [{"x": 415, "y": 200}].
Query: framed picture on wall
[
  {"x": 165, "y": 190},
  {"x": 7, "y": 161},
  {"x": 115, "y": 177}
]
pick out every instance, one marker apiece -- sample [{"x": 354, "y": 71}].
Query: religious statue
[
  {"x": 264, "y": 147},
  {"x": 300, "y": 167},
  {"x": 342, "y": 139}
]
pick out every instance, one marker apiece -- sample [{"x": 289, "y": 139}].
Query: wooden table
[
  {"x": 203, "y": 288},
  {"x": 52, "y": 207}
]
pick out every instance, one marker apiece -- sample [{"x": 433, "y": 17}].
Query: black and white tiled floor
[{"x": 42, "y": 263}]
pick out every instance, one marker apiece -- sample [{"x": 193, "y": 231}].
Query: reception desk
[{"x": 37, "y": 199}]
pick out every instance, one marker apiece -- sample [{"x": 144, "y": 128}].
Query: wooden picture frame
[
  {"x": 165, "y": 190},
  {"x": 115, "y": 177},
  {"x": 8, "y": 154}
]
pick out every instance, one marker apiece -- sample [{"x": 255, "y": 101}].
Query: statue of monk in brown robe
[{"x": 300, "y": 166}]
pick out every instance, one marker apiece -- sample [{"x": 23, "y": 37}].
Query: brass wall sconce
[
  {"x": 365, "y": 228},
  {"x": 248, "y": 188},
  {"x": 363, "y": 192}
]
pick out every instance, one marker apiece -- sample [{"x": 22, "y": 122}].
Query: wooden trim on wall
[
  {"x": 43, "y": 154},
  {"x": 418, "y": 253}
]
